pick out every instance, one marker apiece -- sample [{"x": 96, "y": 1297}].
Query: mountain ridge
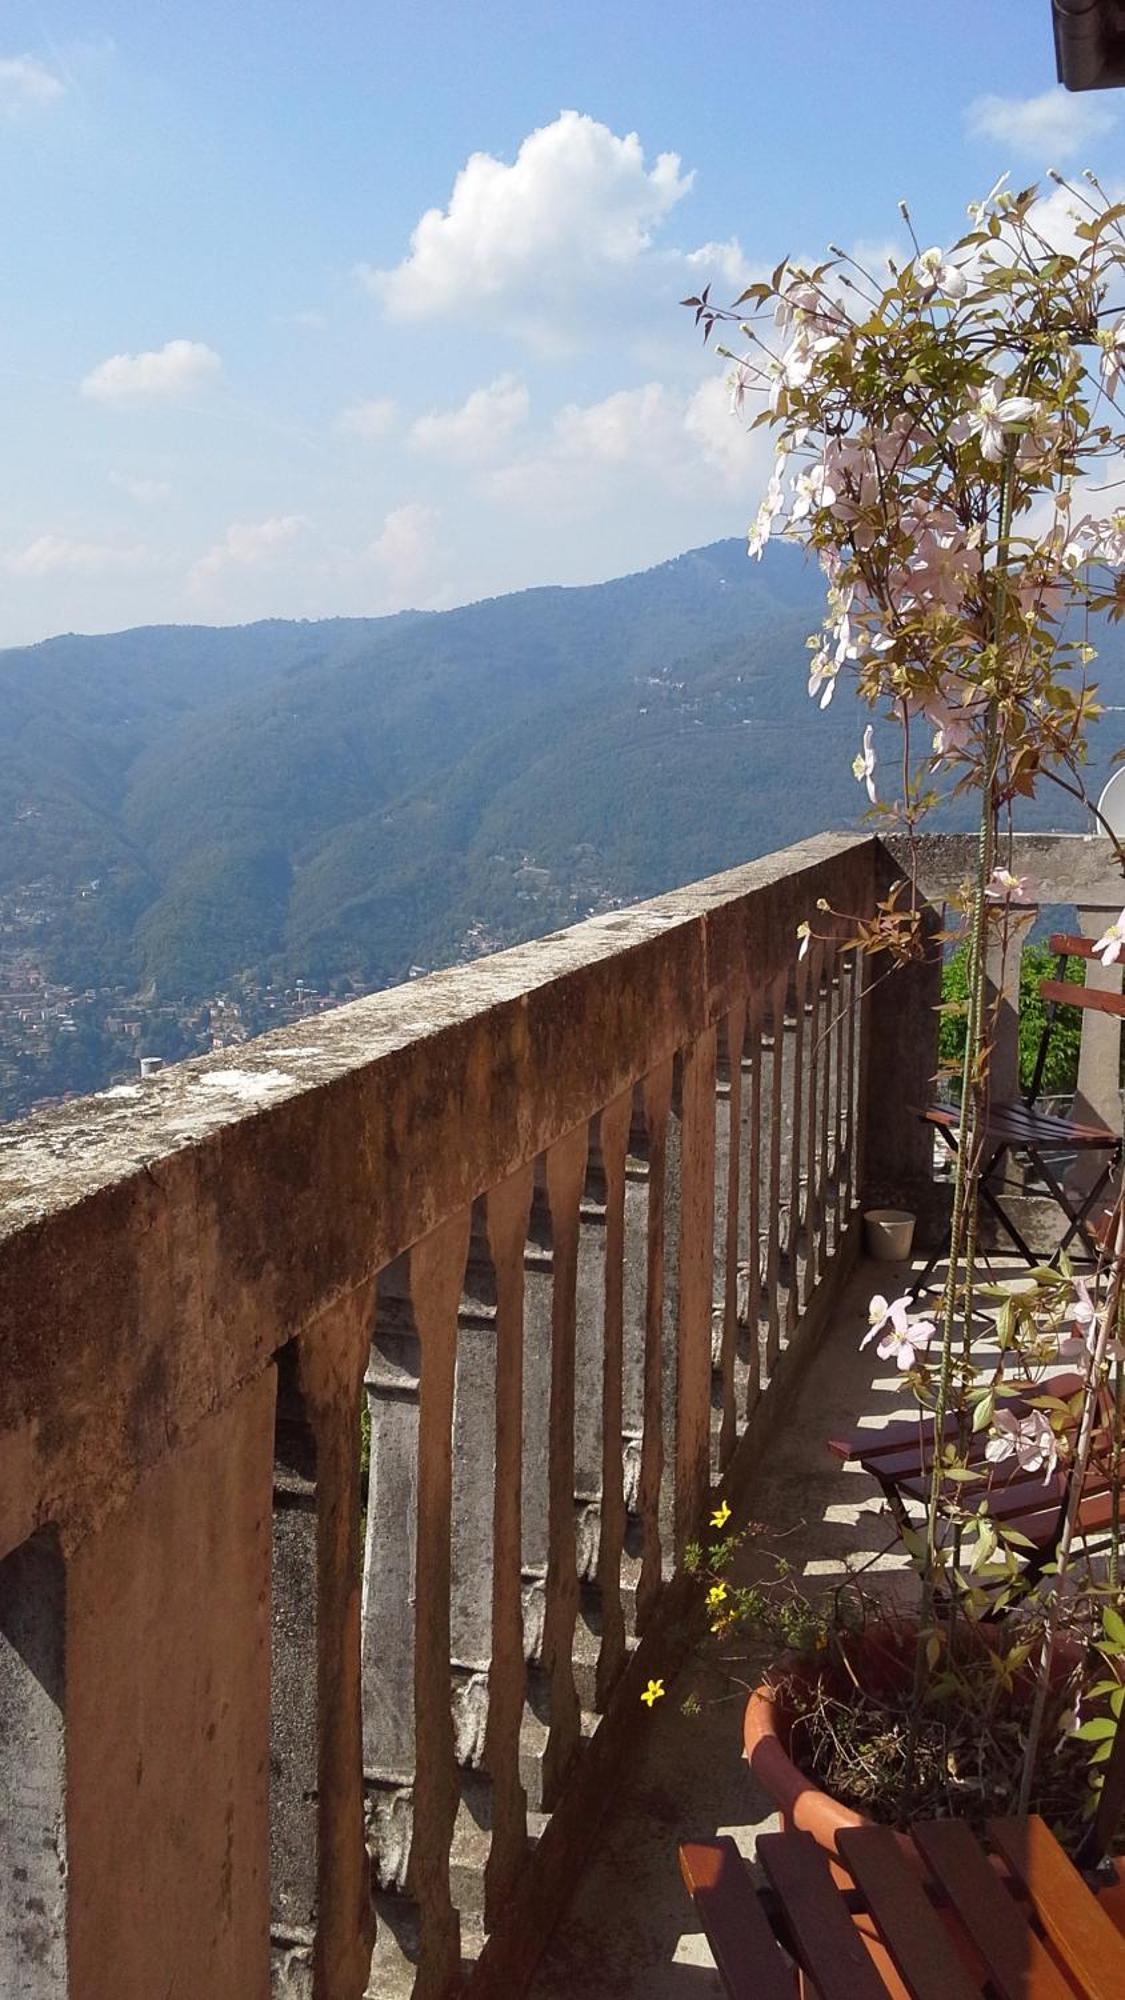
[{"x": 357, "y": 797}]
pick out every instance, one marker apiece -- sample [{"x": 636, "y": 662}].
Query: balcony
[{"x": 358, "y": 1402}]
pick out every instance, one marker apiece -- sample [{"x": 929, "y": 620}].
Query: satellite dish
[{"x": 1111, "y": 806}]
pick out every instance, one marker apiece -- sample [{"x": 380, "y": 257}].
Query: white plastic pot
[{"x": 889, "y": 1234}]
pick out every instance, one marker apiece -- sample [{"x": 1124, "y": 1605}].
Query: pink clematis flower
[
  {"x": 1112, "y": 942},
  {"x": 902, "y": 1337},
  {"x": 1004, "y": 887},
  {"x": 1084, "y": 1319},
  {"x": 1030, "y": 1440},
  {"x": 863, "y": 766}
]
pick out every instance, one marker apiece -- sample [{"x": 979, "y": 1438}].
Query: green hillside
[{"x": 308, "y": 800}]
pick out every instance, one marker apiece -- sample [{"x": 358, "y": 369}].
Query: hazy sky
[{"x": 333, "y": 308}]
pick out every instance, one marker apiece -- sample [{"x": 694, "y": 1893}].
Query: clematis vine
[{"x": 940, "y": 426}]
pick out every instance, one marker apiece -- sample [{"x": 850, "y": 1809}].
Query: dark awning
[{"x": 1090, "y": 43}]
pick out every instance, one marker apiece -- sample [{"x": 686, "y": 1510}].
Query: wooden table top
[{"x": 934, "y": 1915}]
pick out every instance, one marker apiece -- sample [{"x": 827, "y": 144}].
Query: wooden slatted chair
[
  {"x": 1023, "y": 1127},
  {"x": 931, "y": 1915},
  {"x": 899, "y": 1458}
]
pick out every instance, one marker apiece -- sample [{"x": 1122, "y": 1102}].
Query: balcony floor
[{"x": 631, "y": 1929}]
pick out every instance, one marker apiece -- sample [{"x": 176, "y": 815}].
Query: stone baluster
[
  {"x": 695, "y": 1272},
  {"x": 437, "y": 1271},
  {"x": 837, "y": 1135},
  {"x": 613, "y": 1139},
  {"x": 392, "y": 1381},
  {"x": 830, "y": 1041},
  {"x": 777, "y": 998},
  {"x": 795, "y": 1128},
  {"x": 814, "y": 1078},
  {"x": 728, "y": 1203},
  {"x": 293, "y": 1706},
  {"x": 853, "y": 1022},
  {"x": 635, "y": 1286},
  {"x": 589, "y": 1369},
  {"x": 565, "y": 1178},
  {"x": 656, "y": 1099},
  {"x": 474, "y": 1484},
  {"x": 507, "y": 1209},
  {"x": 755, "y": 1236},
  {"x": 331, "y": 1361},
  {"x": 535, "y": 1539}
]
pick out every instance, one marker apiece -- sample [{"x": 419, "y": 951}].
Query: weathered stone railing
[{"x": 561, "y": 1223}]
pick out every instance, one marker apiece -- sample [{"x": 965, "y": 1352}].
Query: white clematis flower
[
  {"x": 990, "y": 414},
  {"x": 1111, "y": 340},
  {"x": 1112, "y": 942},
  {"x": 934, "y": 274},
  {"x": 863, "y": 766}
]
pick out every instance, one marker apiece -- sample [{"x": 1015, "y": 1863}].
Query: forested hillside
[{"x": 357, "y": 797}]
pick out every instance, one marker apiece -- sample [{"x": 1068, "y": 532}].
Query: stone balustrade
[{"x": 360, "y": 1393}]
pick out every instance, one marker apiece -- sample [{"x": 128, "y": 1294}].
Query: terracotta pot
[
  {"x": 887, "y": 1657},
  {"x": 801, "y": 1803}
]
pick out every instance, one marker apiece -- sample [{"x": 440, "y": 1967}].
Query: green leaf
[
  {"x": 1097, "y": 1730},
  {"x": 1113, "y": 1625}
]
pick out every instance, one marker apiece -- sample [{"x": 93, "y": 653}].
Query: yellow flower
[
  {"x": 721, "y": 1516},
  {"x": 653, "y": 1692},
  {"x": 716, "y": 1593}
]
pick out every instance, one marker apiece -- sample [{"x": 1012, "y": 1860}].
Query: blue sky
[{"x": 238, "y": 379}]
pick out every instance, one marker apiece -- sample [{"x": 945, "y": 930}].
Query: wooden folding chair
[
  {"x": 899, "y": 1458},
  {"x": 1022, "y": 1127}
]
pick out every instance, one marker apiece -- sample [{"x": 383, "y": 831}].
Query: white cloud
[
  {"x": 404, "y": 552},
  {"x": 147, "y": 492},
  {"x": 25, "y": 84},
  {"x": 250, "y": 545},
  {"x": 161, "y": 375},
  {"x": 518, "y": 242},
  {"x": 479, "y": 428},
  {"x": 672, "y": 441},
  {"x": 50, "y": 555},
  {"x": 371, "y": 421},
  {"x": 728, "y": 264},
  {"x": 1045, "y": 128}
]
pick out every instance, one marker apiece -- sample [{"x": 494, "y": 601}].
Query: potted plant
[{"x": 938, "y": 430}]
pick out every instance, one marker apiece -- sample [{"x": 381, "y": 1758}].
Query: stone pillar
[
  {"x": 1098, "y": 1095},
  {"x": 32, "y": 1772},
  {"x": 167, "y": 1723},
  {"x": 900, "y": 1027},
  {"x": 1002, "y": 1003}
]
